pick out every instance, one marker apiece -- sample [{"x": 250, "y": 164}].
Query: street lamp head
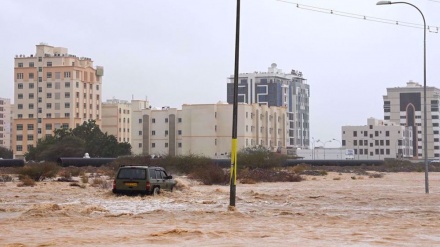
[{"x": 383, "y": 3}]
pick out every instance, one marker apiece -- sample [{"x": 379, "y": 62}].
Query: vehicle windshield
[{"x": 132, "y": 173}]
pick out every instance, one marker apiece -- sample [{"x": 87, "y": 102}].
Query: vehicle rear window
[{"x": 132, "y": 173}]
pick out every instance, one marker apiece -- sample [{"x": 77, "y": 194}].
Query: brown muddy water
[{"x": 332, "y": 210}]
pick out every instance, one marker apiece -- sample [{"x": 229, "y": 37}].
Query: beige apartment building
[
  {"x": 379, "y": 139},
  {"x": 206, "y": 129},
  {"x": 118, "y": 119},
  {"x": 5, "y": 122},
  {"x": 53, "y": 89}
]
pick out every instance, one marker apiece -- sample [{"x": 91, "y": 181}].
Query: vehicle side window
[
  {"x": 159, "y": 174},
  {"x": 164, "y": 174},
  {"x": 153, "y": 174}
]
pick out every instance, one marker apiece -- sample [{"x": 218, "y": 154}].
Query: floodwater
[{"x": 332, "y": 210}]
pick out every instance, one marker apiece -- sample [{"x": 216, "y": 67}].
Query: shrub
[
  {"x": 26, "y": 181},
  {"x": 376, "y": 175},
  {"x": 5, "y": 178},
  {"x": 39, "y": 171},
  {"x": 84, "y": 179},
  {"x": 298, "y": 169},
  {"x": 210, "y": 174},
  {"x": 268, "y": 175},
  {"x": 101, "y": 183}
]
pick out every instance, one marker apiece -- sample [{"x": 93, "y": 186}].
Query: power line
[{"x": 432, "y": 29}]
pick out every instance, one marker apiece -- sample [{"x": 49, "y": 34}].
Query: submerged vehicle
[{"x": 142, "y": 180}]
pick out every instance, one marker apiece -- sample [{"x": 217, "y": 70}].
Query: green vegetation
[
  {"x": 259, "y": 157},
  {"x": 38, "y": 171},
  {"x": 5, "y": 153},
  {"x": 75, "y": 142}
]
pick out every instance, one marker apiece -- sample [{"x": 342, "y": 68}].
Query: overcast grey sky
[{"x": 182, "y": 51}]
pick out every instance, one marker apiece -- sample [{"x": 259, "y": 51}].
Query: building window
[
  {"x": 66, "y": 114},
  {"x": 140, "y": 132},
  {"x": 179, "y": 132},
  {"x": 31, "y": 85},
  {"x": 153, "y": 145},
  {"x": 31, "y": 75},
  {"x": 20, "y": 96},
  {"x": 66, "y": 105},
  {"x": 20, "y": 106},
  {"x": 179, "y": 120},
  {"x": 355, "y": 133},
  {"x": 49, "y": 75},
  {"x": 20, "y": 85},
  {"x": 66, "y": 95},
  {"x": 49, "y": 95},
  {"x": 67, "y": 74},
  {"x": 48, "y": 126},
  {"x": 179, "y": 145},
  {"x": 49, "y": 85},
  {"x": 31, "y": 64},
  {"x": 166, "y": 132},
  {"x": 31, "y": 106},
  {"x": 153, "y": 120},
  {"x": 166, "y": 144},
  {"x": 19, "y": 75},
  {"x": 49, "y": 64},
  {"x": 49, "y": 105},
  {"x": 31, "y": 96},
  {"x": 153, "y": 132},
  {"x": 140, "y": 120},
  {"x": 19, "y": 148},
  {"x": 140, "y": 145},
  {"x": 30, "y": 137},
  {"x": 19, "y": 126},
  {"x": 20, "y": 65},
  {"x": 166, "y": 120},
  {"x": 19, "y": 137}
]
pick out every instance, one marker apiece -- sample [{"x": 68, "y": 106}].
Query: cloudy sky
[{"x": 176, "y": 52}]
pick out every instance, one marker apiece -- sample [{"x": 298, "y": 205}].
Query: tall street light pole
[
  {"x": 340, "y": 150},
  {"x": 425, "y": 127},
  {"x": 233, "y": 180}
]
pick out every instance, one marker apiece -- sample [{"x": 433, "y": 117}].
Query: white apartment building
[
  {"x": 379, "y": 139},
  {"x": 53, "y": 89},
  {"x": 119, "y": 119},
  {"x": 276, "y": 88},
  {"x": 5, "y": 122},
  {"x": 404, "y": 106},
  {"x": 136, "y": 139},
  {"x": 206, "y": 129}
]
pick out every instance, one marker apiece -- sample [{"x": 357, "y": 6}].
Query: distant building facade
[
  {"x": 5, "y": 122},
  {"x": 53, "y": 89},
  {"x": 275, "y": 88},
  {"x": 404, "y": 106},
  {"x": 206, "y": 129},
  {"x": 119, "y": 119},
  {"x": 379, "y": 139}
]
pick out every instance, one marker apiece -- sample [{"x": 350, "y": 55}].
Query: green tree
[
  {"x": 86, "y": 138},
  {"x": 5, "y": 153}
]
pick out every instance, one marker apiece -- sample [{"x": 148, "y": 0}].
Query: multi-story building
[
  {"x": 404, "y": 106},
  {"x": 5, "y": 123},
  {"x": 118, "y": 118},
  {"x": 53, "y": 89},
  {"x": 206, "y": 129},
  {"x": 275, "y": 88},
  {"x": 379, "y": 139}
]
